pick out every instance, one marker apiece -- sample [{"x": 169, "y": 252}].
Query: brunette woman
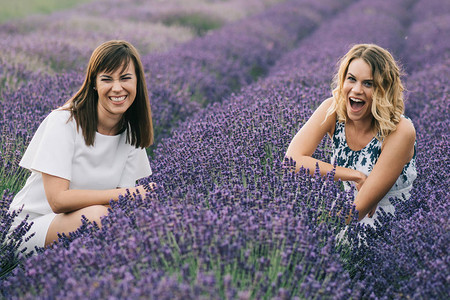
[{"x": 89, "y": 151}]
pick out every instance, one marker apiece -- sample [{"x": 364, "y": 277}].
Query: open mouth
[
  {"x": 118, "y": 100},
  {"x": 356, "y": 103}
]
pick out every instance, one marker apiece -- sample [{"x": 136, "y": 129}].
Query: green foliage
[
  {"x": 12, "y": 176},
  {"x": 257, "y": 71},
  {"x": 198, "y": 22},
  {"x": 21, "y": 8}
]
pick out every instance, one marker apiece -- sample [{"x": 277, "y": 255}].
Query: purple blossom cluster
[
  {"x": 229, "y": 220},
  {"x": 204, "y": 70},
  {"x": 257, "y": 42},
  {"x": 225, "y": 245},
  {"x": 65, "y": 39},
  {"x": 409, "y": 257},
  {"x": 9, "y": 256},
  {"x": 181, "y": 79}
]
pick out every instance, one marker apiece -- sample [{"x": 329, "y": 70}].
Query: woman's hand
[
  {"x": 62, "y": 199},
  {"x": 361, "y": 178},
  {"x": 146, "y": 188},
  {"x": 359, "y": 183},
  {"x": 153, "y": 186}
]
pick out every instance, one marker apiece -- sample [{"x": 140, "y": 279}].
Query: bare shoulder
[
  {"x": 405, "y": 130},
  {"x": 330, "y": 120},
  {"x": 312, "y": 132},
  {"x": 322, "y": 110},
  {"x": 327, "y": 102},
  {"x": 403, "y": 138}
]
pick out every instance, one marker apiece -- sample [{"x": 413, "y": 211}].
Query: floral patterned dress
[{"x": 364, "y": 160}]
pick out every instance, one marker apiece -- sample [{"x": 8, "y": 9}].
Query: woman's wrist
[
  {"x": 358, "y": 176},
  {"x": 348, "y": 174}
]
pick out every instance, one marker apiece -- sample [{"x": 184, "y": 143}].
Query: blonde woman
[
  {"x": 373, "y": 143},
  {"x": 89, "y": 151}
]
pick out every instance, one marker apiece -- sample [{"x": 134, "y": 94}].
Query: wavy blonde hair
[{"x": 387, "y": 105}]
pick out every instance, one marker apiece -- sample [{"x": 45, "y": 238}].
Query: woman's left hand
[
  {"x": 152, "y": 186},
  {"x": 371, "y": 212},
  {"x": 146, "y": 188},
  {"x": 360, "y": 181}
]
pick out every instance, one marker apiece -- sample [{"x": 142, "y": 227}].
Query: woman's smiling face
[
  {"x": 358, "y": 90},
  {"x": 116, "y": 91}
]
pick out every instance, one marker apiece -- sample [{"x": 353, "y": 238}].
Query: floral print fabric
[{"x": 364, "y": 160}]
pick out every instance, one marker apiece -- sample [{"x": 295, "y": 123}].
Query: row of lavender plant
[
  {"x": 208, "y": 67},
  {"x": 256, "y": 43},
  {"x": 410, "y": 256},
  {"x": 205, "y": 70},
  {"x": 298, "y": 83},
  {"x": 211, "y": 251},
  {"x": 199, "y": 14},
  {"x": 65, "y": 39},
  {"x": 227, "y": 220}
]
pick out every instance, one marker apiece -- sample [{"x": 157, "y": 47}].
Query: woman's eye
[
  {"x": 368, "y": 84},
  {"x": 105, "y": 79},
  {"x": 350, "y": 78},
  {"x": 126, "y": 78}
]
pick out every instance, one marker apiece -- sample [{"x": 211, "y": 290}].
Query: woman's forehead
[
  {"x": 124, "y": 66},
  {"x": 361, "y": 68}
]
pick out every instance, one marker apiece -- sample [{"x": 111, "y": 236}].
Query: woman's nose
[
  {"x": 357, "y": 88},
  {"x": 117, "y": 86}
]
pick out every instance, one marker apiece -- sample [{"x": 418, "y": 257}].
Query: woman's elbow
[
  {"x": 363, "y": 210},
  {"x": 56, "y": 204},
  {"x": 56, "y": 208}
]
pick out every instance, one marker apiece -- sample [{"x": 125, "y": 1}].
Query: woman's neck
[
  {"x": 364, "y": 127},
  {"x": 358, "y": 134},
  {"x": 108, "y": 126}
]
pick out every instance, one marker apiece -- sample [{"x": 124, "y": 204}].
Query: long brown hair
[
  {"x": 137, "y": 120},
  {"x": 387, "y": 105}
]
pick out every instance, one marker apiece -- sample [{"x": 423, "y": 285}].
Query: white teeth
[
  {"x": 117, "y": 99},
  {"x": 355, "y": 99}
]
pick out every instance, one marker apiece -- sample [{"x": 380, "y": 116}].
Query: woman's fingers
[
  {"x": 146, "y": 188},
  {"x": 153, "y": 186},
  {"x": 360, "y": 181}
]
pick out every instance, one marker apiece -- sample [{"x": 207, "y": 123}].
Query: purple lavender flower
[{"x": 228, "y": 219}]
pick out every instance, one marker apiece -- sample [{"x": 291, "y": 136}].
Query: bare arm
[
  {"x": 62, "y": 199},
  {"x": 308, "y": 138},
  {"x": 398, "y": 149}
]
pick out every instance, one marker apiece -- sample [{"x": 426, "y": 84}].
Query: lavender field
[{"x": 230, "y": 83}]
